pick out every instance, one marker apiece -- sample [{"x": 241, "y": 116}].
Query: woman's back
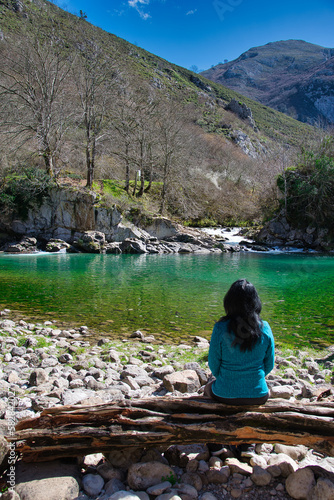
[{"x": 240, "y": 374}]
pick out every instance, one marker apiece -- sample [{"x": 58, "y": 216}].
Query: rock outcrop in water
[{"x": 279, "y": 232}]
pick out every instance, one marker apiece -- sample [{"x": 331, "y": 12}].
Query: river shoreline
[{"x": 46, "y": 366}]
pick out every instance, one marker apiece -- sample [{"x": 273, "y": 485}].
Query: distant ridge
[{"x": 291, "y": 76}]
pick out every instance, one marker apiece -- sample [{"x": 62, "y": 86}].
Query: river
[{"x": 173, "y": 297}]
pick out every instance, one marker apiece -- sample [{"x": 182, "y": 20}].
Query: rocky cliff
[
  {"x": 292, "y": 76},
  {"x": 75, "y": 221}
]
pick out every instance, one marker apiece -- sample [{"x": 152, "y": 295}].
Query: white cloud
[
  {"x": 191, "y": 12},
  {"x": 138, "y": 4}
]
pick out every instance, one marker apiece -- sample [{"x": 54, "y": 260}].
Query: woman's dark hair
[{"x": 243, "y": 307}]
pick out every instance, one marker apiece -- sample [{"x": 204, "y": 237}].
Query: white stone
[
  {"x": 286, "y": 464},
  {"x": 295, "y": 452},
  {"x": 124, "y": 495},
  {"x": 183, "y": 381},
  {"x": 94, "y": 459},
  {"x": 282, "y": 391}
]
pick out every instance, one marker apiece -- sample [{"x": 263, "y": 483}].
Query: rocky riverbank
[
  {"x": 42, "y": 366},
  {"x": 183, "y": 241}
]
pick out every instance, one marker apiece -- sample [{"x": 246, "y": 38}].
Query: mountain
[
  {"x": 170, "y": 135},
  {"x": 291, "y": 76}
]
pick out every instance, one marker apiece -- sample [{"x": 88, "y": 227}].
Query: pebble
[{"x": 55, "y": 374}]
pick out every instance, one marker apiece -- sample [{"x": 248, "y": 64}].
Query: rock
[
  {"x": 127, "y": 230},
  {"x": 295, "y": 452},
  {"x": 92, "y": 484},
  {"x": 143, "y": 475},
  {"x": 192, "y": 479},
  {"x": 133, "y": 371},
  {"x": 240, "y": 467},
  {"x": 215, "y": 463},
  {"x": 72, "y": 397},
  {"x": 282, "y": 391},
  {"x": 56, "y": 245},
  {"x": 161, "y": 227},
  {"x": 38, "y": 377},
  {"x": 286, "y": 464},
  {"x": 124, "y": 457},
  {"x": 18, "y": 351},
  {"x": 10, "y": 495},
  {"x": 91, "y": 242},
  {"x": 168, "y": 496},
  {"x": 4, "y": 451},
  {"x": 186, "y": 381},
  {"x": 218, "y": 476},
  {"x": 185, "y": 491},
  {"x": 208, "y": 496},
  {"x": 299, "y": 483},
  {"x": 52, "y": 480},
  {"x": 162, "y": 371},
  {"x": 241, "y": 110},
  {"x": 260, "y": 476},
  {"x": 108, "y": 472},
  {"x": 93, "y": 460},
  {"x": 49, "y": 362},
  {"x": 124, "y": 495},
  {"x": 236, "y": 493},
  {"x": 113, "y": 485},
  {"x": 158, "y": 489},
  {"x": 323, "y": 490},
  {"x": 131, "y": 245},
  {"x": 258, "y": 460}
]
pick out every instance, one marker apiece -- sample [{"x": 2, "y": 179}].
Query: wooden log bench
[{"x": 69, "y": 431}]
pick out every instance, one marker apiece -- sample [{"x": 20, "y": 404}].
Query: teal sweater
[{"x": 240, "y": 374}]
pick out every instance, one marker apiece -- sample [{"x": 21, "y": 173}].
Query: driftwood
[{"x": 79, "y": 430}]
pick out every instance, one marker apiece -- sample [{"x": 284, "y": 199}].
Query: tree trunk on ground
[{"x": 71, "y": 431}]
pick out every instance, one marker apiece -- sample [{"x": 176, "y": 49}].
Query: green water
[{"x": 173, "y": 297}]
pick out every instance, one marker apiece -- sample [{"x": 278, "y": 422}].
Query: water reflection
[{"x": 172, "y": 296}]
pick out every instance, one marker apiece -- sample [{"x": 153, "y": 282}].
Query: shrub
[{"x": 20, "y": 189}]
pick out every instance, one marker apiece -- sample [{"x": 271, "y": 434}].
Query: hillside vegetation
[
  {"x": 292, "y": 76},
  {"x": 90, "y": 109}
]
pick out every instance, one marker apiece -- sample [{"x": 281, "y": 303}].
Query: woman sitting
[{"x": 241, "y": 350}]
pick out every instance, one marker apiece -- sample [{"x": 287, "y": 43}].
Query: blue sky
[{"x": 202, "y": 33}]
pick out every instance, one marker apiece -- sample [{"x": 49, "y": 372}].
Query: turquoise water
[{"x": 173, "y": 297}]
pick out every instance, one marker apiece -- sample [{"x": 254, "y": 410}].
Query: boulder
[
  {"x": 91, "y": 242},
  {"x": 132, "y": 245},
  {"x": 299, "y": 483},
  {"x": 323, "y": 490},
  {"x": 52, "y": 480},
  {"x": 260, "y": 476},
  {"x": 143, "y": 475},
  {"x": 186, "y": 381}
]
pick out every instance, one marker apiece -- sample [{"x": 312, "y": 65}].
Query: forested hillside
[{"x": 82, "y": 107}]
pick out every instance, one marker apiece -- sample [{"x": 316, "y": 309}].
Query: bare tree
[
  {"x": 95, "y": 78},
  {"x": 134, "y": 120},
  {"x": 33, "y": 78},
  {"x": 172, "y": 142}
]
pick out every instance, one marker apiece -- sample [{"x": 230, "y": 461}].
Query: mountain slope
[
  {"x": 213, "y": 164},
  {"x": 292, "y": 76}
]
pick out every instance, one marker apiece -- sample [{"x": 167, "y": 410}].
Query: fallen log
[{"x": 67, "y": 431}]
